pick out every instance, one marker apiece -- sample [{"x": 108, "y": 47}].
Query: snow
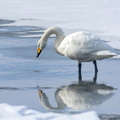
[{"x": 8, "y": 112}]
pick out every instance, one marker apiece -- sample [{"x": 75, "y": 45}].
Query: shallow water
[{"x": 24, "y": 78}]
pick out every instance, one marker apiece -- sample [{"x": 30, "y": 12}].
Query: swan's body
[
  {"x": 84, "y": 47},
  {"x": 80, "y": 46}
]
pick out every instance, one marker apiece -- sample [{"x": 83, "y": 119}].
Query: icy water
[{"x": 50, "y": 82}]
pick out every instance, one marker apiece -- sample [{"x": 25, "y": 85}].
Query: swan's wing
[{"x": 81, "y": 45}]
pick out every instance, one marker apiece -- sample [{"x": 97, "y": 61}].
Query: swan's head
[{"x": 40, "y": 46}]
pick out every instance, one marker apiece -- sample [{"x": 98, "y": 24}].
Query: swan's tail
[{"x": 103, "y": 54}]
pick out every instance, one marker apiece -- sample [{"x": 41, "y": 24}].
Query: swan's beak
[{"x": 38, "y": 52}]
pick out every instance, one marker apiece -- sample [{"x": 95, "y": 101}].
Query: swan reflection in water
[{"x": 78, "y": 97}]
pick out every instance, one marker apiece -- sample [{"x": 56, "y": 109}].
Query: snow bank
[{"x": 8, "y": 112}]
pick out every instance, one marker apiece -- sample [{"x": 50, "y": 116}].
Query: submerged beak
[{"x": 38, "y": 52}]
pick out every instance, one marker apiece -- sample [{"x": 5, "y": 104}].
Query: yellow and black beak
[{"x": 38, "y": 52}]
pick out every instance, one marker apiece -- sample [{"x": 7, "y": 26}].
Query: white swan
[{"x": 80, "y": 46}]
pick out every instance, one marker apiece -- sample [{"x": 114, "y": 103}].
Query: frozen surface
[{"x": 22, "y": 76}]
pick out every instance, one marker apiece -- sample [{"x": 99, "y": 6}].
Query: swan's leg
[
  {"x": 79, "y": 71},
  {"x": 95, "y": 64},
  {"x": 96, "y": 70}
]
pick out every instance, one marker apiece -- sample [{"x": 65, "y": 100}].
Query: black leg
[
  {"x": 96, "y": 70},
  {"x": 79, "y": 71},
  {"x": 95, "y": 64}
]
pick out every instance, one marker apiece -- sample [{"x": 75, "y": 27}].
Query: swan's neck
[{"x": 59, "y": 36}]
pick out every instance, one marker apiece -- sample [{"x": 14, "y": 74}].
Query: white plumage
[
  {"x": 80, "y": 46},
  {"x": 85, "y": 47}
]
